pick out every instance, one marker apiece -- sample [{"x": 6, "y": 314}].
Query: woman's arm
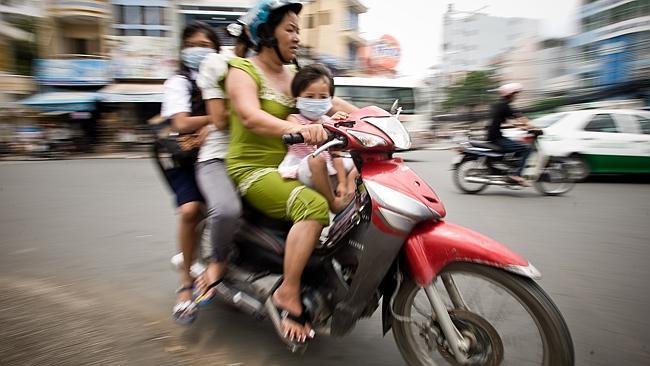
[
  {"x": 213, "y": 69},
  {"x": 242, "y": 90},
  {"x": 217, "y": 113},
  {"x": 184, "y": 123}
]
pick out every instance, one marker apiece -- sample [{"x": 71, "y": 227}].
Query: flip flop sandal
[
  {"x": 185, "y": 312},
  {"x": 203, "y": 298},
  {"x": 278, "y": 314}
]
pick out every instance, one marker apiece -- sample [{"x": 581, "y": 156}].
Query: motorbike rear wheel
[
  {"x": 518, "y": 324},
  {"x": 470, "y": 168}
]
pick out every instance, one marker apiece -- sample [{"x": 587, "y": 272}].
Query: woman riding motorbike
[{"x": 260, "y": 100}]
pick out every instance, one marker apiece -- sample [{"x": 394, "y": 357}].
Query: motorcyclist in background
[{"x": 501, "y": 112}]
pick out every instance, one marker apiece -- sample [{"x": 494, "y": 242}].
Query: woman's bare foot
[
  {"x": 213, "y": 273},
  {"x": 293, "y": 305},
  {"x": 520, "y": 180},
  {"x": 339, "y": 203}
]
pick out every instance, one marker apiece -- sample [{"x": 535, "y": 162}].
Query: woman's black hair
[
  {"x": 198, "y": 27},
  {"x": 307, "y": 75}
]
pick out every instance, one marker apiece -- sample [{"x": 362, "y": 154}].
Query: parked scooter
[
  {"x": 436, "y": 281},
  {"x": 480, "y": 164}
]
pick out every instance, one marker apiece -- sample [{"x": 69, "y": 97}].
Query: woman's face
[
  {"x": 288, "y": 35},
  {"x": 198, "y": 39}
]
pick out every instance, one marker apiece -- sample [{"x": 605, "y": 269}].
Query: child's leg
[
  {"x": 351, "y": 176},
  {"x": 352, "y": 181},
  {"x": 320, "y": 180}
]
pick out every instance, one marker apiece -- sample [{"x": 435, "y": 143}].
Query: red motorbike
[{"x": 451, "y": 296}]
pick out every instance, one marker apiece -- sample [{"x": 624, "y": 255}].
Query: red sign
[{"x": 381, "y": 55}]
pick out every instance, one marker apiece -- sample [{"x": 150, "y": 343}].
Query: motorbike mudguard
[{"x": 434, "y": 244}]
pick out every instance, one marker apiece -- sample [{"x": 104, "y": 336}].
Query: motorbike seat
[
  {"x": 486, "y": 145},
  {"x": 261, "y": 239},
  {"x": 269, "y": 233}
]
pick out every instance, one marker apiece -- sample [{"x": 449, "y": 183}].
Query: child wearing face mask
[{"x": 334, "y": 178}]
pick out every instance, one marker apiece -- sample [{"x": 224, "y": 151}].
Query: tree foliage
[{"x": 471, "y": 92}]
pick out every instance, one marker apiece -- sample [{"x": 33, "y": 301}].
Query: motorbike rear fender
[{"x": 434, "y": 244}]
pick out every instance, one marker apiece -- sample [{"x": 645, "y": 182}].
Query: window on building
[
  {"x": 155, "y": 33},
  {"x": 352, "y": 52},
  {"x": 132, "y": 14},
  {"x": 153, "y": 15},
  {"x": 323, "y": 18},
  {"x": 352, "y": 20},
  {"x": 78, "y": 46},
  {"x": 117, "y": 11},
  {"x": 309, "y": 21},
  {"x": 601, "y": 123},
  {"x": 132, "y": 32}
]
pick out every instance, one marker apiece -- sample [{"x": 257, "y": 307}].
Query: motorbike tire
[
  {"x": 540, "y": 184},
  {"x": 581, "y": 166},
  {"x": 558, "y": 345},
  {"x": 459, "y": 178}
]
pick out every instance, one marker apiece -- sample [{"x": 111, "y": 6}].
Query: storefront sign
[
  {"x": 72, "y": 72},
  {"x": 143, "y": 58}
]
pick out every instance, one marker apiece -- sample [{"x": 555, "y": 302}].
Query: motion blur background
[
  {"x": 85, "y": 76},
  {"x": 85, "y": 243}
]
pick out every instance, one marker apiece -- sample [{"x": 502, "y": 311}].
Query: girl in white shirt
[{"x": 183, "y": 104}]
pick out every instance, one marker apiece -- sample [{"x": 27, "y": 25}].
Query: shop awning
[
  {"x": 132, "y": 93},
  {"x": 63, "y": 101}
]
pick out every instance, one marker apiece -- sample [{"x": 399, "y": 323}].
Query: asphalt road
[{"x": 85, "y": 276}]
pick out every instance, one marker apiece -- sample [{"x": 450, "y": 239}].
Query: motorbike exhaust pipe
[
  {"x": 486, "y": 181},
  {"x": 241, "y": 300}
]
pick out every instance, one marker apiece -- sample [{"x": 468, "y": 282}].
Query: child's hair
[{"x": 307, "y": 75}]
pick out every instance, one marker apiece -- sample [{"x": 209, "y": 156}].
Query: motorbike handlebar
[
  {"x": 293, "y": 138},
  {"x": 297, "y": 138}
]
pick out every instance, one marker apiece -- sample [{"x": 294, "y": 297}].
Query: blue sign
[
  {"x": 72, "y": 72},
  {"x": 63, "y": 101}
]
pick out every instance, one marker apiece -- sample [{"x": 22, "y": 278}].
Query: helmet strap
[{"x": 276, "y": 48}]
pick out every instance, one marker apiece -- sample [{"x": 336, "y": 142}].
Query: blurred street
[{"x": 85, "y": 275}]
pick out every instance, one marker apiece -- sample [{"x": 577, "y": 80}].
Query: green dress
[{"x": 252, "y": 161}]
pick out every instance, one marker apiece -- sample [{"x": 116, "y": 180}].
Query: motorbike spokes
[
  {"x": 556, "y": 179},
  {"x": 503, "y": 322}
]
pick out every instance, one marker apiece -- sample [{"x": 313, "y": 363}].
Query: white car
[{"x": 600, "y": 140}]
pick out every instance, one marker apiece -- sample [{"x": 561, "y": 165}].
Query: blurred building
[
  {"x": 143, "y": 52},
  {"x": 541, "y": 66},
  {"x": 18, "y": 19},
  {"x": 72, "y": 66},
  {"x": 74, "y": 28},
  {"x": 330, "y": 30},
  {"x": 472, "y": 39},
  {"x": 613, "y": 43}
]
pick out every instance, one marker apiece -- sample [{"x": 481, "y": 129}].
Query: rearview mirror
[{"x": 393, "y": 108}]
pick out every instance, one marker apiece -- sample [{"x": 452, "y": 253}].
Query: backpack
[{"x": 182, "y": 148}]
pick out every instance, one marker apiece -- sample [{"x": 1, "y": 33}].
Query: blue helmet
[{"x": 259, "y": 14}]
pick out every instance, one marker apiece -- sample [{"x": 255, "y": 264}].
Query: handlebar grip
[{"x": 293, "y": 138}]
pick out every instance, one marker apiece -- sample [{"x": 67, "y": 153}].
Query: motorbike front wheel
[
  {"x": 556, "y": 179},
  {"x": 508, "y": 320}
]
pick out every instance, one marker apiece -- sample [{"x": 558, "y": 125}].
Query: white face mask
[
  {"x": 313, "y": 109},
  {"x": 192, "y": 56}
]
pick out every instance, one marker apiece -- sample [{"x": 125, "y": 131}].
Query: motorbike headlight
[
  {"x": 368, "y": 139},
  {"x": 394, "y": 129}
]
